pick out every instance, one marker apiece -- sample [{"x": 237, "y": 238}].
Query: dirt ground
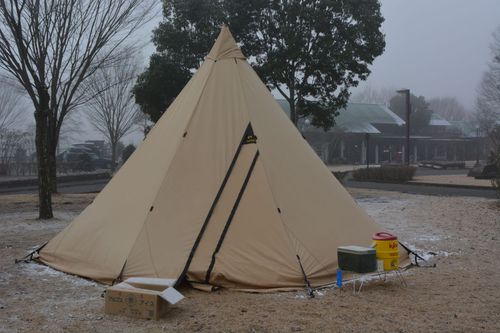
[{"x": 461, "y": 294}]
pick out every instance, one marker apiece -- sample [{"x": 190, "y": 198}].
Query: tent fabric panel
[
  {"x": 139, "y": 262},
  {"x": 196, "y": 173},
  {"x": 203, "y": 255},
  {"x": 315, "y": 207},
  {"x": 117, "y": 214},
  {"x": 74, "y": 265},
  {"x": 318, "y": 274},
  {"x": 256, "y": 253}
]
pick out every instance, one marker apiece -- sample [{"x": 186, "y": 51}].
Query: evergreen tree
[{"x": 311, "y": 51}]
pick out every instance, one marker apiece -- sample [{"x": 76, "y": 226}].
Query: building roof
[
  {"x": 437, "y": 120},
  {"x": 466, "y": 128},
  {"x": 359, "y": 117},
  {"x": 371, "y": 113},
  {"x": 357, "y": 127}
]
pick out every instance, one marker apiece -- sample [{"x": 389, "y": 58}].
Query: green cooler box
[{"x": 357, "y": 259}]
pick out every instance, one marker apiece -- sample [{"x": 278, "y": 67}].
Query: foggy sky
[
  {"x": 433, "y": 47},
  {"x": 436, "y": 47}
]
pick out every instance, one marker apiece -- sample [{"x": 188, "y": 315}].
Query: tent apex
[{"x": 225, "y": 46}]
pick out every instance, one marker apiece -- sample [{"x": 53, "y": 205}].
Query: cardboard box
[{"x": 146, "y": 298}]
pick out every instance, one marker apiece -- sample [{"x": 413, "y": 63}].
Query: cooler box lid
[{"x": 354, "y": 249}]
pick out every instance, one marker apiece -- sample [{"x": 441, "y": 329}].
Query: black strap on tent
[
  {"x": 27, "y": 258},
  {"x": 119, "y": 278},
  {"x": 310, "y": 290},
  {"x": 248, "y": 132},
  {"x": 230, "y": 218}
]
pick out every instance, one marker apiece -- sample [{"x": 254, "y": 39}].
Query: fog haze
[
  {"x": 436, "y": 47},
  {"x": 433, "y": 47}
]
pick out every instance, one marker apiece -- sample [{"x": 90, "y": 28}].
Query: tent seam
[{"x": 149, "y": 249}]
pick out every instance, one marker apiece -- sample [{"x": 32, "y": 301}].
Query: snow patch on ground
[
  {"x": 45, "y": 273},
  {"x": 429, "y": 255},
  {"x": 22, "y": 222},
  {"x": 387, "y": 212},
  {"x": 430, "y": 238},
  {"x": 377, "y": 205}
]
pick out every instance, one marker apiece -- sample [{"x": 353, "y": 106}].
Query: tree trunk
[
  {"x": 113, "y": 156},
  {"x": 52, "y": 140},
  {"x": 293, "y": 114},
  {"x": 42, "y": 153},
  {"x": 53, "y": 169},
  {"x": 293, "y": 110}
]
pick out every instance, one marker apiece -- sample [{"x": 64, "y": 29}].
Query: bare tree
[
  {"x": 113, "y": 111},
  {"x": 10, "y": 106},
  {"x": 51, "y": 47},
  {"x": 144, "y": 123},
  {"x": 488, "y": 98},
  {"x": 488, "y": 105},
  {"x": 448, "y": 107},
  {"x": 10, "y": 142}
]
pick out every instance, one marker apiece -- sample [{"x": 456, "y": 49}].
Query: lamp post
[
  {"x": 477, "y": 145},
  {"x": 367, "y": 137},
  {"x": 408, "y": 110}
]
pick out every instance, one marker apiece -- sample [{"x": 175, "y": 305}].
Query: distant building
[{"x": 373, "y": 128}]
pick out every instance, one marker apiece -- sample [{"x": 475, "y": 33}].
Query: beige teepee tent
[{"x": 224, "y": 191}]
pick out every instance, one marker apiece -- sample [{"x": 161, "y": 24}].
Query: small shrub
[
  {"x": 340, "y": 175},
  {"x": 496, "y": 184},
  {"x": 494, "y": 158},
  {"x": 396, "y": 174},
  {"x": 495, "y": 181}
]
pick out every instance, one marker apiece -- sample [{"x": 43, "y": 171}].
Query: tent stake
[
  {"x": 310, "y": 290},
  {"x": 417, "y": 256},
  {"x": 27, "y": 258}
]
